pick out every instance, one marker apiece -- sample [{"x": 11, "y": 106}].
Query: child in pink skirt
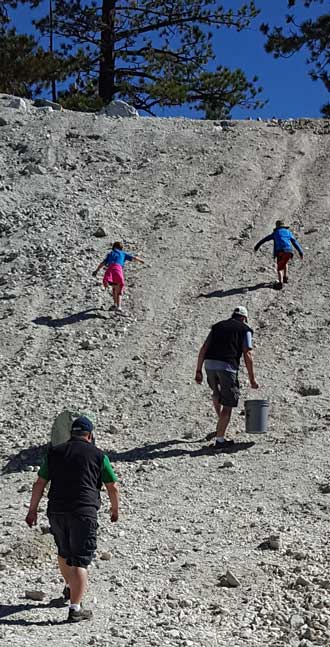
[{"x": 113, "y": 275}]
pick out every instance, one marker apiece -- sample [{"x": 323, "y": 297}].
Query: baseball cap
[
  {"x": 82, "y": 425},
  {"x": 242, "y": 311}
]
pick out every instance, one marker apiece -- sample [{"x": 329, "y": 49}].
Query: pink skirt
[{"x": 113, "y": 275}]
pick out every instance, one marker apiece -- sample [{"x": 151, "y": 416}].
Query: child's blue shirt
[{"x": 117, "y": 257}]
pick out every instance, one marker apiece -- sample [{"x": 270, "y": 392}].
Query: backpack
[{"x": 61, "y": 428}]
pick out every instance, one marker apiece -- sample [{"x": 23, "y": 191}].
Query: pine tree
[
  {"x": 149, "y": 52},
  {"x": 26, "y": 68},
  {"x": 314, "y": 35}
]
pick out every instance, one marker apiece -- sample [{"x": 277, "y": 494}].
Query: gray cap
[{"x": 242, "y": 311}]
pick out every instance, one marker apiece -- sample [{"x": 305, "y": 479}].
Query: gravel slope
[{"x": 192, "y": 198}]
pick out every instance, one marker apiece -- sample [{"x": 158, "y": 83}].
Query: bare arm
[
  {"x": 113, "y": 493},
  {"x": 248, "y": 359},
  {"x": 37, "y": 492},
  {"x": 137, "y": 259},
  {"x": 98, "y": 268},
  {"x": 200, "y": 361}
]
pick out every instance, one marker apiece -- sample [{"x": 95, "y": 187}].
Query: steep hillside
[{"x": 192, "y": 198}]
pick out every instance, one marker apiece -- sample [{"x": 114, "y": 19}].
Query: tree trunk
[{"x": 107, "y": 60}]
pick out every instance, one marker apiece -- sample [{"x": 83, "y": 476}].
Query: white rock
[
  {"x": 296, "y": 621},
  {"x": 118, "y": 108},
  {"x": 18, "y": 103}
]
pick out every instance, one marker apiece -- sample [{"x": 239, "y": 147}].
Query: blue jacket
[{"x": 283, "y": 240}]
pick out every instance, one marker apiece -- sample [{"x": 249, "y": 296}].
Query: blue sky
[{"x": 287, "y": 86}]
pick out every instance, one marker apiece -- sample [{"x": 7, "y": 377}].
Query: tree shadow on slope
[
  {"x": 84, "y": 315},
  {"x": 159, "y": 450},
  {"x": 32, "y": 456},
  {"x": 220, "y": 294},
  {"x": 10, "y": 609}
]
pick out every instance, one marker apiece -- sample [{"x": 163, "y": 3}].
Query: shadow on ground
[
  {"x": 7, "y": 610},
  {"x": 31, "y": 456},
  {"x": 160, "y": 450},
  {"x": 220, "y": 294},
  {"x": 84, "y": 315}
]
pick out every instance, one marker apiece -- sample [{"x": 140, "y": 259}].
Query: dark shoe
[
  {"x": 278, "y": 285},
  {"x": 78, "y": 616},
  {"x": 66, "y": 593},
  {"x": 220, "y": 447},
  {"x": 285, "y": 279}
]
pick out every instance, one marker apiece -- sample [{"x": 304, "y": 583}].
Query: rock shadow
[
  {"x": 159, "y": 450},
  {"x": 220, "y": 294},
  {"x": 25, "y": 457},
  {"x": 69, "y": 320}
]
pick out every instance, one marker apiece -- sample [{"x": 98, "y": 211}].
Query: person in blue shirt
[
  {"x": 283, "y": 240},
  {"x": 114, "y": 275}
]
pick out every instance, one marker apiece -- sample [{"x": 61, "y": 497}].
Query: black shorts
[
  {"x": 75, "y": 537},
  {"x": 225, "y": 387}
]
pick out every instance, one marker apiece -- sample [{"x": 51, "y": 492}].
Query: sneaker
[
  {"x": 278, "y": 285},
  {"x": 66, "y": 594},
  {"x": 78, "y": 616},
  {"x": 285, "y": 279},
  {"x": 113, "y": 308},
  {"x": 219, "y": 447}
]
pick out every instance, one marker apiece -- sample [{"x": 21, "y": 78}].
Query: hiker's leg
[
  {"x": 285, "y": 274},
  {"x": 217, "y": 405},
  {"x": 83, "y": 535},
  {"x": 279, "y": 275},
  {"x": 286, "y": 269},
  {"x": 64, "y": 568},
  {"x": 223, "y": 421},
  {"x": 116, "y": 289},
  {"x": 213, "y": 382},
  {"x": 77, "y": 583},
  {"x": 114, "y": 294}
]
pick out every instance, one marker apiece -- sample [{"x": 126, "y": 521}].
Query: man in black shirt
[
  {"x": 221, "y": 352},
  {"x": 76, "y": 470}
]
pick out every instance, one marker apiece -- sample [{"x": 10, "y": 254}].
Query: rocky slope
[{"x": 191, "y": 198}]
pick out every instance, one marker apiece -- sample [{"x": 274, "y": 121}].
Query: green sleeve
[
  {"x": 43, "y": 470},
  {"x": 108, "y": 475}
]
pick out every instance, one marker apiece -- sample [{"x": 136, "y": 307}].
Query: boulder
[
  {"x": 118, "y": 108},
  {"x": 44, "y": 103},
  {"x": 18, "y": 103},
  {"x": 100, "y": 232}
]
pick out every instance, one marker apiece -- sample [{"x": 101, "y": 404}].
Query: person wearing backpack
[
  {"x": 283, "y": 240},
  {"x": 76, "y": 470},
  {"x": 114, "y": 263}
]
